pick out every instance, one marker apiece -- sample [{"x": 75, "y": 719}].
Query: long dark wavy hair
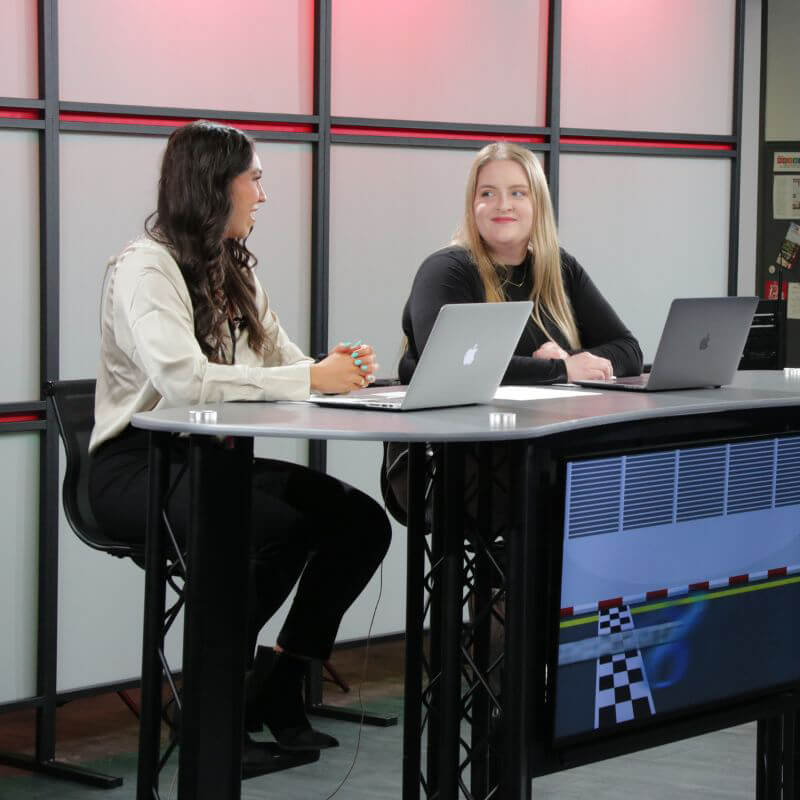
[{"x": 194, "y": 203}]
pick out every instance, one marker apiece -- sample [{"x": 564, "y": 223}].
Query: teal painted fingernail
[
  {"x": 363, "y": 368},
  {"x": 357, "y": 362},
  {"x": 346, "y": 344}
]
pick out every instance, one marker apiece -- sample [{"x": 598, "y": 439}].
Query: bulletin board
[{"x": 779, "y": 237}]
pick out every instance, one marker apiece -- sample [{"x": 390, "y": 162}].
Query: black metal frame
[{"x": 322, "y": 135}]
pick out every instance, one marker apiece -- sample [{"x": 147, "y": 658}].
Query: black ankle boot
[{"x": 274, "y": 696}]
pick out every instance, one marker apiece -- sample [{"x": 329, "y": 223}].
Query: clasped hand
[
  {"x": 346, "y": 367},
  {"x": 581, "y": 366}
]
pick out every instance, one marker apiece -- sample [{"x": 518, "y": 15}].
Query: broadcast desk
[{"x": 474, "y": 740}]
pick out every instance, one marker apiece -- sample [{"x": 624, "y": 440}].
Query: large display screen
[{"x": 680, "y": 581}]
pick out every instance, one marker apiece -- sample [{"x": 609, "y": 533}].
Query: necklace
[{"x": 508, "y": 282}]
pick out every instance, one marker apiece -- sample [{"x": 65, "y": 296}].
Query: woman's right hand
[
  {"x": 342, "y": 370},
  {"x": 588, "y": 367}
]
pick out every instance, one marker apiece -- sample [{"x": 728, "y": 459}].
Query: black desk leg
[
  {"x": 452, "y": 577},
  {"x": 415, "y": 614},
  {"x": 515, "y": 781},
  {"x": 154, "y": 601},
  {"x": 215, "y": 624},
  {"x": 484, "y": 579},
  {"x": 432, "y": 692}
]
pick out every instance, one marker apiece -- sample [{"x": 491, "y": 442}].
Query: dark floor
[{"x": 101, "y": 732}]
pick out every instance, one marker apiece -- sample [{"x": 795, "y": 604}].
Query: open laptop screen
[{"x": 680, "y": 582}]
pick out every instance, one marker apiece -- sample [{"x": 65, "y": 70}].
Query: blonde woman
[{"x": 507, "y": 249}]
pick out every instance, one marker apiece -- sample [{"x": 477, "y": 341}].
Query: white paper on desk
[{"x": 537, "y": 393}]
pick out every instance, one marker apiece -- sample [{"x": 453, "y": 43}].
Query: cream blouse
[{"x": 150, "y": 358}]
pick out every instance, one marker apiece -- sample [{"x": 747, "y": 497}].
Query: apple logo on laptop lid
[{"x": 469, "y": 356}]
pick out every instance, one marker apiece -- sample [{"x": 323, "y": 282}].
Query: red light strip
[
  {"x": 688, "y": 145},
  {"x": 421, "y": 133},
  {"x": 20, "y": 418},
  {"x": 20, "y": 113},
  {"x": 170, "y": 122}
]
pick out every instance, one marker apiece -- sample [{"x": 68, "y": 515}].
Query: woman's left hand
[
  {"x": 364, "y": 359},
  {"x": 551, "y": 350}
]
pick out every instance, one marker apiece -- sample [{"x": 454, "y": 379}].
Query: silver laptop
[
  {"x": 701, "y": 346},
  {"x": 463, "y": 362}
]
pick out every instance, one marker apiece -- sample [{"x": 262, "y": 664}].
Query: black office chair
[{"x": 73, "y": 407}]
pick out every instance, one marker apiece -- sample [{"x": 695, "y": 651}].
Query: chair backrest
[{"x": 73, "y": 406}]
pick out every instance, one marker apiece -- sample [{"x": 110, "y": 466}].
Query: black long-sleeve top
[{"x": 450, "y": 276}]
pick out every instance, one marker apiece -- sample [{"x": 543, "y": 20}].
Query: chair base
[
  {"x": 262, "y": 758},
  {"x": 59, "y": 769},
  {"x": 351, "y": 715}
]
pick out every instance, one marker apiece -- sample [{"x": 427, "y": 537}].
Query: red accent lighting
[
  {"x": 687, "y": 145},
  {"x": 170, "y": 122},
  {"x": 19, "y": 418},
  {"x": 20, "y": 113},
  {"x": 422, "y": 133}
]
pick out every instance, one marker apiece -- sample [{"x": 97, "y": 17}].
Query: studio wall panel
[
  {"x": 783, "y": 65},
  {"x": 390, "y": 208},
  {"x": 453, "y": 61},
  {"x": 243, "y": 55},
  {"x": 19, "y": 232},
  {"x": 647, "y": 230},
  {"x": 19, "y": 70},
  {"x": 19, "y": 496},
  {"x": 662, "y": 65}
]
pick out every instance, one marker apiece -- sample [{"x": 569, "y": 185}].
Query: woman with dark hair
[{"x": 185, "y": 321}]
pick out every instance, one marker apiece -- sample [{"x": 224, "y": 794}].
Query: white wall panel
[
  {"x": 390, "y": 208},
  {"x": 19, "y": 232},
  {"x": 783, "y": 67},
  {"x": 108, "y": 186},
  {"x": 455, "y": 61},
  {"x": 19, "y": 535},
  {"x": 660, "y": 65},
  {"x": 647, "y": 230},
  {"x": 19, "y": 70},
  {"x": 244, "y": 55},
  {"x": 748, "y": 202}
]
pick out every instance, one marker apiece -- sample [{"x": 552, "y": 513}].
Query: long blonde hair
[{"x": 547, "y": 293}]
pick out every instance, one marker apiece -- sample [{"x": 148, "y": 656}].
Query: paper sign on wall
[
  {"x": 793, "y": 301},
  {"x": 786, "y": 162},
  {"x": 786, "y": 197}
]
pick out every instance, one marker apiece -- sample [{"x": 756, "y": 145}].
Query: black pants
[{"x": 305, "y": 525}]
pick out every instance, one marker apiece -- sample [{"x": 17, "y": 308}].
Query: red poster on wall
[{"x": 771, "y": 290}]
